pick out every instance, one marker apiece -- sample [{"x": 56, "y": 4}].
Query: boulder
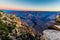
[{"x": 51, "y": 35}]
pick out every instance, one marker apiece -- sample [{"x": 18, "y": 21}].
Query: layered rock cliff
[{"x": 12, "y": 28}]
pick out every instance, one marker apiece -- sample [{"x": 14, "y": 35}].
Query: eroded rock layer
[{"x": 12, "y": 28}]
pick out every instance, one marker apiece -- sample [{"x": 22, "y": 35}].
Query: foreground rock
[
  {"x": 51, "y": 35},
  {"x": 12, "y": 28}
]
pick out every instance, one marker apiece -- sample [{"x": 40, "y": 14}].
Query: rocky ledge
[
  {"x": 53, "y": 32},
  {"x": 51, "y": 35}
]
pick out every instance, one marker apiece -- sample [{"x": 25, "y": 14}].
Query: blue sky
[{"x": 30, "y": 4}]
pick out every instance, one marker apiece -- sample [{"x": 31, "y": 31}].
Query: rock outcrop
[
  {"x": 51, "y": 35},
  {"x": 57, "y": 23},
  {"x": 12, "y": 28}
]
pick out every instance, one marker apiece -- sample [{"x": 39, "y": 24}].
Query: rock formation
[
  {"x": 12, "y": 28},
  {"x": 53, "y": 33},
  {"x": 57, "y": 23}
]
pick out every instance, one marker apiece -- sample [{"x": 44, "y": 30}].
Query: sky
[{"x": 32, "y": 5}]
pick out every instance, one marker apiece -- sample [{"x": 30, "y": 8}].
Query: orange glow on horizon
[{"x": 10, "y": 7}]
